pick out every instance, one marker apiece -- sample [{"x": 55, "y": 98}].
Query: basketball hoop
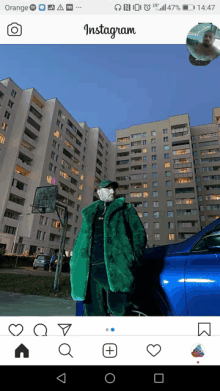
[{"x": 38, "y": 209}]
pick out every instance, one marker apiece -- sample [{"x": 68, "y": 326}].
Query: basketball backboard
[{"x": 45, "y": 196}]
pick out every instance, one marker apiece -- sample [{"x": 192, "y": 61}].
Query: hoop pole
[{"x": 61, "y": 249}]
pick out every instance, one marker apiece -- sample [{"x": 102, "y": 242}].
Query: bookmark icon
[{"x": 204, "y": 328}]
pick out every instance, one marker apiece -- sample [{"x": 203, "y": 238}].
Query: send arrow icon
[
  {"x": 62, "y": 378},
  {"x": 65, "y": 328}
]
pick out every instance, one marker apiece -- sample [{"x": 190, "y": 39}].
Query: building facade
[{"x": 164, "y": 169}]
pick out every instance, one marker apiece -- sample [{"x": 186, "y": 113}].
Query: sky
[{"x": 116, "y": 86}]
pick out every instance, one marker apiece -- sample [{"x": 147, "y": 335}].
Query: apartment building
[
  {"x": 162, "y": 169},
  {"x": 40, "y": 145}
]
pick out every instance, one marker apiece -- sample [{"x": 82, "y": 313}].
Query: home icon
[{"x": 21, "y": 349}]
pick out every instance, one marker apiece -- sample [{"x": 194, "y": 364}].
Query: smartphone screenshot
[{"x": 110, "y": 193}]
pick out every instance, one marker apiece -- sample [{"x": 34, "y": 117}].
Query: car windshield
[{"x": 41, "y": 257}]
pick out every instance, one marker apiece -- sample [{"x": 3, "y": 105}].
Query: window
[
  {"x": 4, "y": 126},
  {"x": 196, "y": 161},
  {"x": 153, "y": 133},
  {"x": 200, "y": 198},
  {"x": 170, "y": 214},
  {"x": 194, "y": 145},
  {"x": 154, "y": 166},
  {"x": 144, "y": 167},
  {"x": 195, "y": 153},
  {"x": 9, "y": 230},
  {"x": 154, "y": 157},
  {"x": 165, "y": 131},
  {"x": 165, "y": 139},
  {"x": 155, "y": 204},
  {"x": 211, "y": 239},
  {"x": 170, "y": 225},
  {"x": 199, "y": 188},
  {"x": 153, "y": 149},
  {"x": 166, "y": 156},
  {"x": 153, "y": 141},
  {"x": 155, "y": 193},
  {"x": 156, "y": 215},
  {"x": 166, "y": 147},
  {"x": 169, "y": 203},
  {"x": 156, "y": 225},
  {"x": 155, "y": 184},
  {"x": 7, "y": 115},
  {"x": 154, "y": 175},
  {"x": 169, "y": 193},
  {"x": 168, "y": 183},
  {"x": 171, "y": 236},
  {"x": 146, "y": 225},
  {"x": 10, "y": 104},
  {"x": 13, "y": 93},
  {"x": 167, "y": 173},
  {"x": 156, "y": 236}
]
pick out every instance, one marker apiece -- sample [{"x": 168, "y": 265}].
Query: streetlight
[{"x": 17, "y": 235}]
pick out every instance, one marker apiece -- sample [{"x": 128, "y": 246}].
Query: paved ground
[{"x": 16, "y": 304}]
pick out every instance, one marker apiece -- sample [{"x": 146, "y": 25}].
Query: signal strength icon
[{"x": 163, "y": 8}]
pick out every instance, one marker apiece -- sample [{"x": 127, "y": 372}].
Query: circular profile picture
[
  {"x": 203, "y": 43},
  {"x": 197, "y": 350}
]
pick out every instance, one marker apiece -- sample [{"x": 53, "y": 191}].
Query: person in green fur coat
[{"x": 103, "y": 264}]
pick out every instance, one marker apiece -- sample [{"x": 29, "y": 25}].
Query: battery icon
[{"x": 188, "y": 7}]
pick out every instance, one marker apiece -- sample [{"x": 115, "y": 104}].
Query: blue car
[{"x": 181, "y": 279}]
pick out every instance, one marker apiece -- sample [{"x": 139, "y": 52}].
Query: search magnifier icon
[{"x": 65, "y": 349}]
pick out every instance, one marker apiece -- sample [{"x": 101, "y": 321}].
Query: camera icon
[{"x": 14, "y": 29}]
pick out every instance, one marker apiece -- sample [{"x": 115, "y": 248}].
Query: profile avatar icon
[
  {"x": 203, "y": 44},
  {"x": 198, "y": 351}
]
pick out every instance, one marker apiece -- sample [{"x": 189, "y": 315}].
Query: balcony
[
  {"x": 10, "y": 222},
  {"x": 14, "y": 206},
  {"x": 193, "y": 230},
  {"x": 32, "y": 124},
  {"x": 184, "y": 175},
  {"x": 23, "y": 164},
  {"x": 37, "y": 104}
]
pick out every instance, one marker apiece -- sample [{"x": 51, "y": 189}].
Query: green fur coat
[{"x": 124, "y": 243}]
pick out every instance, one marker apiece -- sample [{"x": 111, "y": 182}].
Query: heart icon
[
  {"x": 153, "y": 349},
  {"x": 15, "y": 329}
]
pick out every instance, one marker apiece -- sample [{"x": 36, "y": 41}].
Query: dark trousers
[{"x": 104, "y": 302}]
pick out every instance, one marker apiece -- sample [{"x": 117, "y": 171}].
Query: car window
[
  {"x": 212, "y": 239},
  {"x": 40, "y": 257}
]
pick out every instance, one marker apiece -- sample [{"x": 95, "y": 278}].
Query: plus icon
[{"x": 110, "y": 350}]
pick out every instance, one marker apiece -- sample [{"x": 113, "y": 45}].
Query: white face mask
[{"x": 106, "y": 194}]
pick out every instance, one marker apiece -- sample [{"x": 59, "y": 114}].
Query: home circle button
[{"x": 109, "y": 378}]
